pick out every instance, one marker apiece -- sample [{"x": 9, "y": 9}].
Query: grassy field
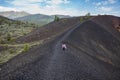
[{"x": 12, "y": 50}]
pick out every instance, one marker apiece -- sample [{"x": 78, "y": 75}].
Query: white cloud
[
  {"x": 112, "y": 1},
  {"x": 24, "y": 2},
  {"x": 2, "y": 8},
  {"x": 52, "y": 2},
  {"x": 57, "y": 2},
  {"x": 105, "y": 2},
  {"x": 105, "y": 9},
  {"x": 52, "y": 7}
]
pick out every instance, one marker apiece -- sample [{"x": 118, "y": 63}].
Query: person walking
[{"x": 64, "y": 47}]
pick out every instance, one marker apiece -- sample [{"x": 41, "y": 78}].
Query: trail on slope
[
  {"x": 56, "y": 64},
  {"x": 63, "y": 65}
]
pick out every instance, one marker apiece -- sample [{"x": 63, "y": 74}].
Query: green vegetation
[
  {"x": 81, "y": 19},
  {"x": 11, "y": 50},
  {"x": 9, "y": 37},
  {"x": 87, "y": 16},
  {"x": 56, "y": 18},
  {"x": 10, "y": 30},
  {"x": 38, "y": 19},
  {"x": 26, "y": 47},
  {"x": 84, "y": 18}
]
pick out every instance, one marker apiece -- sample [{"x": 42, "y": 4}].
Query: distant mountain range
[
  {"x": 39, "y": 19},
  {"x": 14, "y": 14}
]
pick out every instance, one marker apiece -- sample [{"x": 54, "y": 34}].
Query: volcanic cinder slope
[
  {"x": 50, "y": 30},
  {"x": 93, "y": 53}
]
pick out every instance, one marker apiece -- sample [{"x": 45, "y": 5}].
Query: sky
[{"x": 63, "y": 7}]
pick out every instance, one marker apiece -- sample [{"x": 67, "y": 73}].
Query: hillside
[
  {"x": 10, "y": 30},
  {"x": 97, "y": 42},
  {"x": 92, "y": 52},
  {"x": 13, "y": 14},
  {"x": 14, "y": 28},
  {"x": 50, "y": 30},
  {"x": 114, "y": 22},
  {"x": 13, "y": 31},
  {"x": 39, "y": 19}
]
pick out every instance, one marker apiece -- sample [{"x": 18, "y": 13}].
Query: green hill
[
  {"x": 13, "y": 29},
  {"x": 39, "y": 19}
]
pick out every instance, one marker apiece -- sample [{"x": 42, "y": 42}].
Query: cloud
[
  {"x": 24, "y": 2},
  {"x": 101, "y": 3},
  {"x": 2, "y": 8},
  {"x": 51, "y": 7},
  {"x": 57, "y": 2},
  {"x": 103, "y": 6},
  {"x": 105, "y": 9},
  {"x": 112, "y": 1},
  {"x": 106, "y": 2},
  {"x": 50, "y": 2}
]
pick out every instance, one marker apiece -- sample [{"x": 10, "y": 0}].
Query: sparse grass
[
  {"x": 11, "y": 30},
  {"x": 9, "y": 53},
  {"x": 13, "y": 50}
]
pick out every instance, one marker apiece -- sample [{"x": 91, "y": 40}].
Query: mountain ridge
[
  {"x": 14, "y": 14},
  {"x": 40, "y": 19}
]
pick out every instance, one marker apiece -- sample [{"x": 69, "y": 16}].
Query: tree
[
  {"x": 81, "y": 19},
  {"x": 56, "y": 18},
  {"x": 87, "y": 16},
  {"x": 9, "y": 37}
]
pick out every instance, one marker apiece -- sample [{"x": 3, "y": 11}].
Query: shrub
[
  {"x": 9, "y": 37},
  {"x": 26, "y": 47},
  {"x": 81, "y": 19},
  {"x": 12, "y": 51},
  {"x": 87, "y": 16},
  {"x": 56, "y": 18},
  {"x": 2, "y": 41}
]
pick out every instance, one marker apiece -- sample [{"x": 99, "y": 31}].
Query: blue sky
[{"x": 63, "y": 7}]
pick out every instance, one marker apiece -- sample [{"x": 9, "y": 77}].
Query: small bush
[
  {"x": 56, "y": 18},
  {"x": 2, "y": 41},
  {"x": 12, "y": 40},
  {"x": 24, "y": 33},
  {"x": 9, "y": 37},
  {"x": 81, "y": 19},
  {"x": 26, "y": 47},
  {"x": 12, "y": 51}
]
